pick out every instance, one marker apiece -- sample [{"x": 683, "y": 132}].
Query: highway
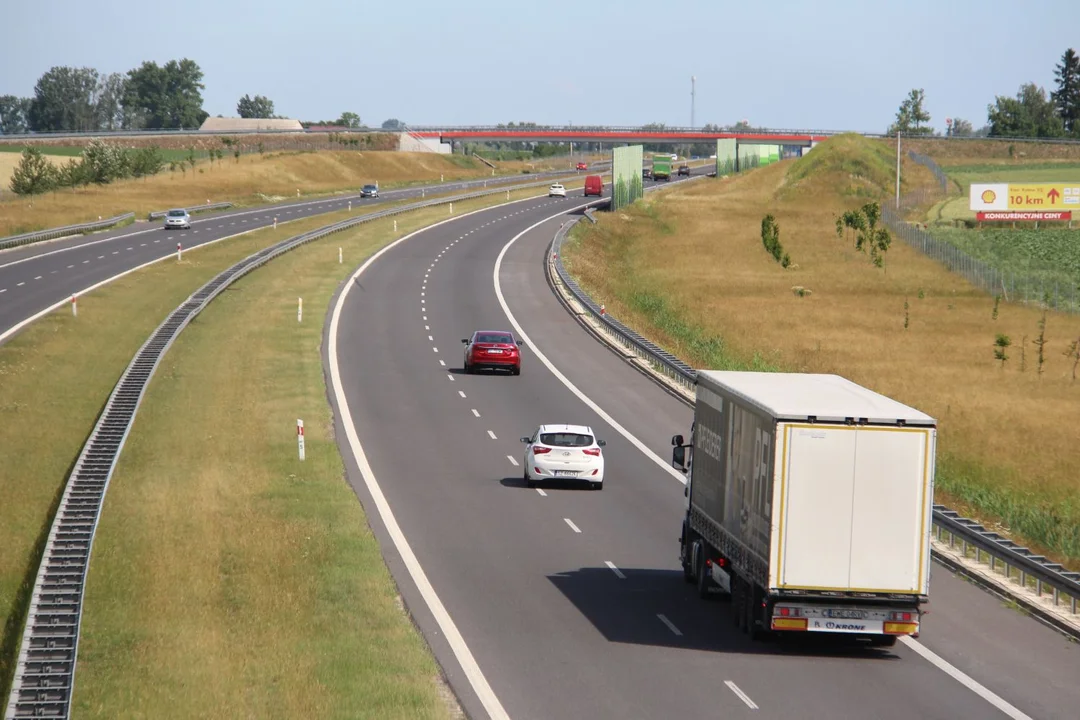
[
  {"x": 560, "y": 602},
  {"x": 35, "y": 277}
]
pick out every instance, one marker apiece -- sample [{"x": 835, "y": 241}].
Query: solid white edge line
[
  {"x": 554, "y": 370},
  {"x": 742, "y": 696},
  {"x": 964, "y": 679},
  {"x": 670, "y": 625},
  {"x": 573, "y": 527},
  {"x": 56, "y": 306},
  {"x": 933, "y": 658},
  {"x": 442, "y": 617},
  {"x": 617, "y": 571}
]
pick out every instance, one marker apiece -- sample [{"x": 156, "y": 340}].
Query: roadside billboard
[
  {"x": 725, "y": 156},
  {"x": 1026, "y": 197},
  {"x": 626, "y": 184}
]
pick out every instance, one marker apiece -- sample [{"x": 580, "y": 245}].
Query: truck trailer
[
  {"x": 661, "y": 167},
  {"x": 809, "y": 504}
]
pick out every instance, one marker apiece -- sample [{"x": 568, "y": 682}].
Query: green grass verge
[
  {"x": 53, "y": 419},
  {"x": 965, "y": 175}
]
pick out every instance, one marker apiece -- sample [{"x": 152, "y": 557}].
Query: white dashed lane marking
[
  {"x": 573, "y": 527},
  {"x": 492, "y": 435},
  {"x": 475, "y": 412},
  {"x": 512, "y": 460},
  {"x": 461, "y": 393},
  {"x": 670, "y": 625},
  {"x": 617, "y": 571}
]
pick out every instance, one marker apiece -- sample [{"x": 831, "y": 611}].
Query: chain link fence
[{"x": 1011, "y": 286}]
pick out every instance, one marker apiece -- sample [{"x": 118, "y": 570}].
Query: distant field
[
  {"x": 1050, "y": 254},
  {"x": 965, "y": 175}
]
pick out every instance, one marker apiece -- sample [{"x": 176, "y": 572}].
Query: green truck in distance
[{"x": 661, "y": 167}]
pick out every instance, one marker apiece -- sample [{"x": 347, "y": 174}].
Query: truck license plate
[{"x": 847, "y": 614}]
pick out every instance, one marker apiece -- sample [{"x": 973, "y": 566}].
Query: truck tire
[
  {"x": 704, "y": 582},
  {"x": 686, "y": 551}
]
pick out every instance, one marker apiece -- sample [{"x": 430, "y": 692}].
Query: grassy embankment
[
  {"x": 233, "y": 476},
  {"x": 688, "y": 269},
  {"x": 250, "y": 180}
]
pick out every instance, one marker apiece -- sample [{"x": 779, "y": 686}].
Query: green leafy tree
[
  {"x": 1029, "y": 114},
  {"x": 104, "y": 162},
  {"x": 869, "y": 238},
  {"x": 65, "y": 99},
  {"x": 14, "y": 114},
  {"x": 147, "y": 161},
  {"x": 71, "y": 174},
  {"x": 348, "y": 119},
  {"x": 259, "y": 106},
  {"x": 166, "y": 96},
  {"x": 110, "y": 107},
  {"x": 960, "y": 128},
  {"x": 34, "y": 175},
  {"x": 1001, "y": 345},
  {"x": 1066, "y": 97},
  {"x": 912, "y": 116}
]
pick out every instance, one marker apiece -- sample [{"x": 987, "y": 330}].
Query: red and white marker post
[
  {"x": 74, "y": 306},
  {"x": 179, "y": 252},
  {"x": 300, "y": 437}
]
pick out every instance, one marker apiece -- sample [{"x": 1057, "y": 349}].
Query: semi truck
[
  {"x": 809, "y": 503},
  {"x": 661, "y": 167}
]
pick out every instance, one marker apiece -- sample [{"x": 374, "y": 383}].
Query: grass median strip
[
  {"x": 229, "y": 579},
  {"x": 56, "y": 374}
]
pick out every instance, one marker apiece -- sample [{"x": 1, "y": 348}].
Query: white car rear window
[{"x": 566, "y": 439}]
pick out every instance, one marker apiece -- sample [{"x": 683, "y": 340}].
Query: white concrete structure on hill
[{"x": 224, "y": 125}]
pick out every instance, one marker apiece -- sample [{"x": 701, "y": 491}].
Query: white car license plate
[
  {"x": 495, "y": 352},
  {"x": 566, "y": 473}
]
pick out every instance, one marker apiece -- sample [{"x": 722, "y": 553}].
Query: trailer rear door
[{"x": 855, "y": 508}]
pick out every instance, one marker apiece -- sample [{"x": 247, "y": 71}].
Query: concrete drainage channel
[
  {"x": 1046, "y": 590},
  {"x": 45, "y": 669}
]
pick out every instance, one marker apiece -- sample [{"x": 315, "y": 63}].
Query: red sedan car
[
  {"x": 494, "y": 349},
  {"x": 582, "y": 166}
]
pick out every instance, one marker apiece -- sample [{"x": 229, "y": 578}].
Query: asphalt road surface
[
  {"x": 35, "y": 277},
  {"x": 570, "y": 601}
]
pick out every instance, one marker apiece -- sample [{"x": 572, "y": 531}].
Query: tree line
[{"x": 1032, "y": 113}]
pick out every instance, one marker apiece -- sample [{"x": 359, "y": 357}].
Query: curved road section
[
  {"x": 34, "y": 278},
  {"x": 562, "y": 602}
]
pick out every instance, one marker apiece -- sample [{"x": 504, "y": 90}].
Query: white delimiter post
[
  {"x": 339, "y": 256},
  {"x": 179, "y": 252},
  {"x": 897, "y": 169},
  {"x": 299, "y": 309},
  {"x": 74, "y": 306},
  {"x": 300, "y": 437}
]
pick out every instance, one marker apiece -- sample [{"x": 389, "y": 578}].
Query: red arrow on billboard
[{"x": 1053, "y": 195}]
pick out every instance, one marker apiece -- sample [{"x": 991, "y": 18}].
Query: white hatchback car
[
  {"x": 556, "y": 190},
  {"x": 564, "y": 451}
]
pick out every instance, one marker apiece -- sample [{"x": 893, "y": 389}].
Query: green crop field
[
  {"x": 1052, "y": 255},
  {"x": 965, "y": 175}
]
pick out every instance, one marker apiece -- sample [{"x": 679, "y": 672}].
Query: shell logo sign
[{"x": 986, "y": 197}]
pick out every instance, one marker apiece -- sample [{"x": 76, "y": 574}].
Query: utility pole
[
  {"x": 897, "y": 169},
  {"x": 693, "y": 81}
]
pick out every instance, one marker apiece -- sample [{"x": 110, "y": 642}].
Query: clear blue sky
[{"x": 844, "y": 64}]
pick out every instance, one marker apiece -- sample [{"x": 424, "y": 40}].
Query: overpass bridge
[{"x": 614, "y": 136}]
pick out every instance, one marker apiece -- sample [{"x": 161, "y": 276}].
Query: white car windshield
[
  {"x": 566, "y": 439},
  {"x": 177, "y": 213}
]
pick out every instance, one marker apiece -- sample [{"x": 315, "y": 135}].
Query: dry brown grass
[
  {"x": 699, "y": 251},
  {"x": 956, "y": 151},
  {"x": 254, "y": 179},
  {"x": 8, "y": 163}
]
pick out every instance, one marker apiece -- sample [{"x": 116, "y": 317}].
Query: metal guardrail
[
  {"x": 1020, "y": 566},
  {"x": 80, "y": 228},
  {"x": 65, "y": 231},
  {"x": 45, "y": 669},
  {"x": 158, "y": 214}
]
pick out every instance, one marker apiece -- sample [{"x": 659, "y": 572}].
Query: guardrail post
[{"x": 300, "y": 437}]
